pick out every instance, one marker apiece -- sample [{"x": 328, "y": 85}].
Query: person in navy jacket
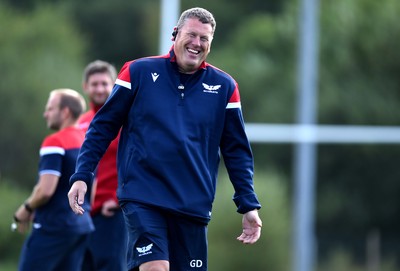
[
  {"x": 59, "y": 237},
  {"x": 178, "y": 114}
]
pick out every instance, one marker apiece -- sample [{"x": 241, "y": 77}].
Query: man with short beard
[
  {"x": 58, "y": 238},
  {"x": 107, "y": 246}
]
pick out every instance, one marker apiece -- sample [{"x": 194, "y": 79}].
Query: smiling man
[
  {"x": 178, "y": 114},
  {"x": 106, "y": 249}
]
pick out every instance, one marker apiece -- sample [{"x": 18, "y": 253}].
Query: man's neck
[
  {"x": 95, "y": 107},
  {"x": 68, "y": 123}
]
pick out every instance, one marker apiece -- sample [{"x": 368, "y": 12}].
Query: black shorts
[{"x": 155, "y": 234}]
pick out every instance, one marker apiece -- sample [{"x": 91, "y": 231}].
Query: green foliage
[
  {"x": 232, "y": 14},
  {"x": 260, "y": 56},
  {"x": 10, "y": 242},
  {"x": 40, "y": 51},
  {"x": 359, "y": 62},
  {"x": 120, "y": 32},
  {"x": 341, "y": 259},
  {"x": 272, "y": 251},
  {"x": 359, "y": 84}
]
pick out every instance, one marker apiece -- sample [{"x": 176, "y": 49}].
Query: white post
[
  {"x": 169, "y": 17},
  {"x": 305, "y": 152}
]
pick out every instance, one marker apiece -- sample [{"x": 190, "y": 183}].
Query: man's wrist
[
  {"x": 16, "y": 219},
  {"x": 28, "y": 207}
]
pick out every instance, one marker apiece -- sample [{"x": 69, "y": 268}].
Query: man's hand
[
  {"x": 251, "y": 228},
  {"x": 22, "y": 219},
  {"x": 109, "y": 207},
  {"x": 76, "y": 197}
]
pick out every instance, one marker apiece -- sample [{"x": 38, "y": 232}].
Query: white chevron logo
[{"x": 155, "y": 76}]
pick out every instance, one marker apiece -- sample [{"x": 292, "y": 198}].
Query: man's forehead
[
  {"x": 99, "y": 76},
  {"x": 195, "y": 23},
  {"x": 53, "y": 100}
]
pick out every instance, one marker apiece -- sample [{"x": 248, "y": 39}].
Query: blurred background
[{"x": 45, "y": 44}]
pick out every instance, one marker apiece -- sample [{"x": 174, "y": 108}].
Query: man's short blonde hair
[{"x": 72, "y": 100}]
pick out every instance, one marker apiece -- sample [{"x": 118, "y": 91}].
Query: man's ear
[
  {"x": 84, "y": 86},
  {"x": 66, "y": 112},
  {"x": 174, "y": 33}
]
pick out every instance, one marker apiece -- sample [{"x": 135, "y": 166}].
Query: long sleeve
[{"x": 238, "y": 157}]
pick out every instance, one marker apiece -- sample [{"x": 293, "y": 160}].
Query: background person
[
  {"x": 177, "y": 114},
  {"x": 107, "y": 246},
  {"x": 58, "y": 238}
]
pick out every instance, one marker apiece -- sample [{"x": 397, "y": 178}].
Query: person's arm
[
  {"x": 104, "y": 127},
  {"x": 41, "y": 194},
  {"x": 238, "y": 159}
]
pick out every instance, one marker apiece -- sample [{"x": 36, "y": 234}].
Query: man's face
[
  {"x": 53, "y": 113},
  {"x": 98, "y": 87},
  {"x": 192, "y": 45}
]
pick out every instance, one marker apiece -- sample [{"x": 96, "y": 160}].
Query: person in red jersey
[
  {"x": 108, "y": 244},
  {"x": 58, "y": 238}
]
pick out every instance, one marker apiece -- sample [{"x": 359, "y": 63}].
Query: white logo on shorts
[
  {"x": 144, "y": 250},
  {"x": 196, "y": 263}
]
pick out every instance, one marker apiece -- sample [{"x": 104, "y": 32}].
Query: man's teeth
[{"x": 193, "y": 51}]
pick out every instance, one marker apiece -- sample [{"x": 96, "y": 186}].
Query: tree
[
  {"x": 118, "y": 31},
  {"x": 40, "y": 51},
  {"x": 358, "y": 84}
]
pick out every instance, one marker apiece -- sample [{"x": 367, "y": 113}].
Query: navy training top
[
  {"x": 173, "y": 132},
  {"x": 58, "y": 155}
]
